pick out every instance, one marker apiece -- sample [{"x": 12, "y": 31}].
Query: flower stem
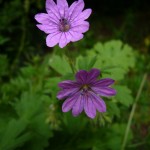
[
  {"x": 70, "y": 61},
  {"x": 21, "y": 47},
  {"x": 133, "y": 111}
]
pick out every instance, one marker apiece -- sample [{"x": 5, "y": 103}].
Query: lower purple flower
[{"x": 84, "y": 93}]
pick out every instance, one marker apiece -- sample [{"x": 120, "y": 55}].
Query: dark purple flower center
[
  {"x": 84, "y": 89},
  {"x": 64, "y": 25}
]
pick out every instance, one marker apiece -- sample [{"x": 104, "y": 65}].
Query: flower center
[
  {"x": 84, "y": 89},
  {"x": 64, "y": 25}
]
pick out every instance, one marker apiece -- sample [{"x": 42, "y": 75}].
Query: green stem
[
  {"x": 21, "y": 47},
  {"x": 22, "y": 42},
  {"x": 72, "y": 66},
  {"x": 70, "y": 61},
  {"x": 133, "y": 111},
  {"x": 137, "y": 144}
]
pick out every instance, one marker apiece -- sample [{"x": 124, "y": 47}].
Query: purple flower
[
  {"x": 62, "y": 23},
  {"x": 84, "y": 93}
]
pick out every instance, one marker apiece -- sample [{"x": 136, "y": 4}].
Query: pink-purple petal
[
  {"x": 76, "y": 10},
  {"x": 53, "y": 19},
  {"x": 84, "y": 15},
  {"x": 63, "y": 8},
  {"x": 42, "y": 18},
  {"x": 69, "y": 36},
  {"x": 66, "y": 93},
  {"x": 78, "y": 106},
  {"x": 103, "y": 82},
  {"x": 51, "y": 7},
  {"x": 89, "y": 107},
  {"x": 75, "y": 36},
  {"x": 47, "y": 28},
  {"x": 81, "y": 28},
  {"x": 68, "y": 84},
  {"x": 77, "y": 23},
  {"x": 104, "y": 91},
  {"x": 98, "y": 102},
  {"x": 81, "y": 76},
  {"x": 93, "y": 74},
  {"x": 53, "y": 39},
  {"x": 63, "y": 40},
  {"x": 69, "y": 103},
  {"x": 71, "y": 8},
  {"x": 62, "y": 3}
]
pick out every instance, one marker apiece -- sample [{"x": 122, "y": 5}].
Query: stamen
[
  {"x": 84, "y": 89},
  {"x": 64, "y": 25}
]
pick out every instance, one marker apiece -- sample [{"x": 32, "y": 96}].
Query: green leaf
[
  {"x": 51, "y": 87},
  {"x": 123, "y": 95},
  {"x": 28, "y": 102},
  {"x": 60, "y": 64},
  {"x": 115, "y": 136},
  {"x": 113, "y": 72},
  {"x": 85, "y": 63},
  {"x": 113, "y": 109},
  {"x": 31, "y": 107},
  {"x": 3, "y": 40},
  {"x": 12, "y": 137},
  {"x": 73, "y": 123},
  {"x": 114, "y": 58}
]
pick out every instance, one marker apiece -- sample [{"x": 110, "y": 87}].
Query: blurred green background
[{"x": 31, "y": 116}]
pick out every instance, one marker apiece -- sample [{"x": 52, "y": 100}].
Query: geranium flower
[
  {"x": 62, "y": 23},
  {"x": 84, "y": 93}
]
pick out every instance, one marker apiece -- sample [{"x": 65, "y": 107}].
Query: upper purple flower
[
  {"x": 84, "y": 93},
  {"x": 62, "y": 23}
]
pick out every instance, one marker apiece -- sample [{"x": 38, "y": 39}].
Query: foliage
[
  {"x": 113, "y": 57},
  {"x": 30, "y": 114}
]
